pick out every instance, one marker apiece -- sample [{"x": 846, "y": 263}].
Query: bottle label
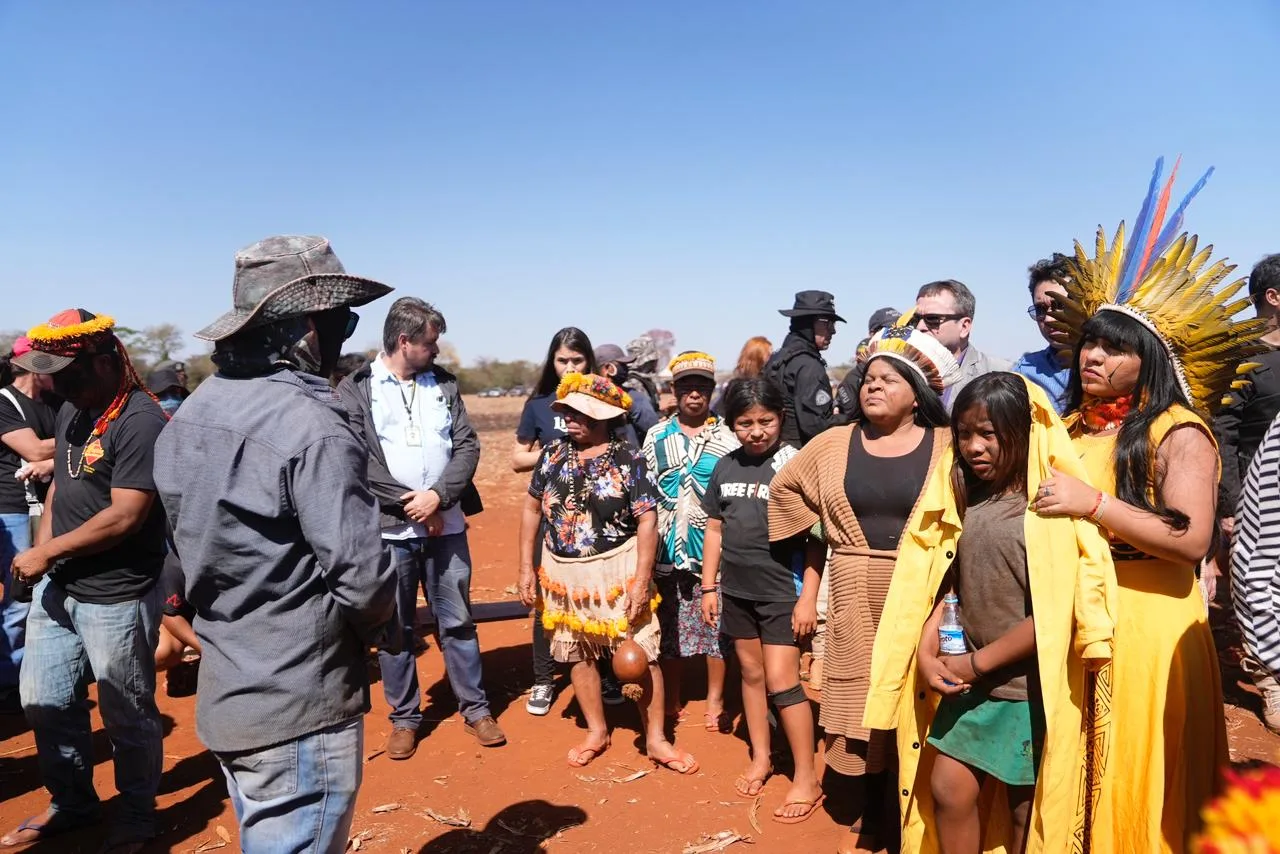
[{"x": 951, "y": 640}]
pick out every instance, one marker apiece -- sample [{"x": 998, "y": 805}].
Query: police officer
[
  {"x": 799, "y": 370},
  {"x": 847, "y": 392}
]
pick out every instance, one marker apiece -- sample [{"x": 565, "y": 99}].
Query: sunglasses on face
[
  {"x": 1038, "y": 312},
  {"x": 934, "y": 321},
  {"x": 353, "y": 320}
]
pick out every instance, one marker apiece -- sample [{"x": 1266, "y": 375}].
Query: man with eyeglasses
[
  {"x": 799, "y": 369},
  {"x": 268, "y": 498},
  {"x": 1049, "y": 368},
  {"x": 944, "y": 309}
]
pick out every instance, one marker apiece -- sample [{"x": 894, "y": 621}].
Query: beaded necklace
[
  {"x": 129, "y": 381},
  {"x": 579, "y": 472},
  {"x": 1100, "y": 415}
]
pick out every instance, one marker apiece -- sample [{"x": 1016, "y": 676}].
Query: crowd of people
[{"x": 990, "y": 576}]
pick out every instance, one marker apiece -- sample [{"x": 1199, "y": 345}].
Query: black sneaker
[
  {"x": 540, "y": 699},
  {"x": 611, "y": 690}
]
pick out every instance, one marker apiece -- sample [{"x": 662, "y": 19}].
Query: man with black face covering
[
  {"x": 95, "y": 609},
  {"x": 265, "y": 485},
  {"x": 799, "y": 370}
]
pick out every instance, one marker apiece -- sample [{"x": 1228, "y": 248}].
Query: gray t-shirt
[{"x": 991, "y": 577}]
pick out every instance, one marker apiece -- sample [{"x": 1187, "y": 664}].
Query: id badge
[{"x": 413, "y": 436}]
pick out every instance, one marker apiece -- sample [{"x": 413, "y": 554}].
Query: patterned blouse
[
  {"x": 683, "y": 467},
  {"x": 592, "y": 506}
]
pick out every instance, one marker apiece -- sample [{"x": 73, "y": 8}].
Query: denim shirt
[
  {"x": 1043, "y": 368},
  {"x": 264, "y": 483}
]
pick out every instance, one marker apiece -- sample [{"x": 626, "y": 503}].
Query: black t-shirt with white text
[
  {"x": 738, "y": 495},
  {"x": 121, "y": 458},
  {"x": 35, "y": 415}
]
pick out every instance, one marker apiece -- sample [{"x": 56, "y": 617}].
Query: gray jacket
[
  {"x": 975, "y": 364},
  {"x": 263, "y": 482},
  {"x": 455, "y": 484}
]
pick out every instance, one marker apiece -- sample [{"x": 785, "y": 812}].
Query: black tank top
[{"x": 883, "y": 490}]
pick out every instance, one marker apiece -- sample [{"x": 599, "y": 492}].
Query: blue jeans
[
  {"x": 298, "y": 797},
  {"x": 70, "y": 644},
  {"x": 442, "y": 567},
  {"x": 15, "y": 536}
]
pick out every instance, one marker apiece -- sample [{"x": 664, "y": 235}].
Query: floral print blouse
[{"x": 592, "y": 506}]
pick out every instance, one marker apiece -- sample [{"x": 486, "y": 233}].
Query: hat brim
[
  {"x": 307, "y": 295},
  {"x": 810, "y": 312},
  {"x": 694, "y": 373},
  {"x": 589, "y": 406},
  {"x": 38, "y": 362}
]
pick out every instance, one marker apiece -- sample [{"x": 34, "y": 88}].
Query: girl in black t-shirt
[{"x": 757, "y": 598}]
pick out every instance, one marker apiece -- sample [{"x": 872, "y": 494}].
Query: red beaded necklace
[{"x": 1102, "y": 414}]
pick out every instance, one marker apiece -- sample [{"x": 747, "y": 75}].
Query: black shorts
[{"x": 744, "y": 619}]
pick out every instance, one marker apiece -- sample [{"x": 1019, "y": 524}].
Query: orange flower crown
[
  {"x": 1244, "y": 819},
  {"x": 68, "y": 340},
  {"x": 595, "y": 386}
]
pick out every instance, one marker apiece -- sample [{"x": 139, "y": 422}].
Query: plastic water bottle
[{"x": 950, "y": 632}]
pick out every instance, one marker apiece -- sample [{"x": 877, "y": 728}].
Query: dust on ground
[{"x": 522, "y": 797}]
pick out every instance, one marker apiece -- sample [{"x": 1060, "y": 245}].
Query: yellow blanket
[{"x": 1073, "y": 594}]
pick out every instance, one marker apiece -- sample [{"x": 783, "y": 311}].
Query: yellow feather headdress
[{"x": 1158, "y": 277}]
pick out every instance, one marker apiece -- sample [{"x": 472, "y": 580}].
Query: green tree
[{"x": 152, "y": 345}]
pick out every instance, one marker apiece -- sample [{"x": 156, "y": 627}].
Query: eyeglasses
[
  {"x": 353, "y": 320},
  {"x": 1039, "y": 312},
  {"x": 683, "y": 390},
  {"x": 933, "y": 321}
]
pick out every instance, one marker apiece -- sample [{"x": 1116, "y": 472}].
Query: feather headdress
[
  {"x": 917, "y": 350},
  {"x": 1158, "y": 277}
]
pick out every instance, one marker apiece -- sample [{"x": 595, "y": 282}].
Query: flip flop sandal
[
  {"x": 721, "y": 723},
  {"x": 743, "y": 784},
  {"x": 804, "y": 816},
  {"x": 585, "y": 755},
  {"x": 53, "y": 827},
  {"x": 690, "y": 764}
]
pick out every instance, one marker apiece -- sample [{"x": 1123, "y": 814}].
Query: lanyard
[{"x": 408, "y": 401}]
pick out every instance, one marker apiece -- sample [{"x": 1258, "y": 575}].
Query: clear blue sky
[{"x": 619, "y": 165}]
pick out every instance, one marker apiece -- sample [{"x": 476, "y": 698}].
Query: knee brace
[{"x": 791, "y": 697}]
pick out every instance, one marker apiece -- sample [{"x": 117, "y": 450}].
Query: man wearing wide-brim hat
[
  {"x": 264, "y": 482},
  {"x": 799, "y": 369}
]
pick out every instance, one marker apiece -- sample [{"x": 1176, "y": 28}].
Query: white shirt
[{"x": 415, "y": 429}]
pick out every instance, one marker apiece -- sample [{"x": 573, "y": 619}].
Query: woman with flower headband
[
  {"x": 595, "y": 498},
  {"x": 1156, "y": 346},
  {"x": 682, "y": 452},
  {"x": 862, "y": 483}
]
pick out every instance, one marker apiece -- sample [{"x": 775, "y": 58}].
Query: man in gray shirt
[{"x": 265, "y": 486}]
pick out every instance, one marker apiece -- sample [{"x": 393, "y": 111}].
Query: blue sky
[{"x": 617, "y": 166}]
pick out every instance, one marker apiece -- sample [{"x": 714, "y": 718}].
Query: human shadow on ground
[
  {"x": 521, "y": 828},
  {"x": 507, "y": 676}
]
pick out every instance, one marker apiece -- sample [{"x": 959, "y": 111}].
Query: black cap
[{"x": 881, "y": 318}]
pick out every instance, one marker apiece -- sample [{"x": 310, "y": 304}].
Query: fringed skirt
[{"x": 584, "y": 605}]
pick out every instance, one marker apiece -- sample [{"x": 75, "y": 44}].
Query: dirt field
[{"x": 523, "y": 797}]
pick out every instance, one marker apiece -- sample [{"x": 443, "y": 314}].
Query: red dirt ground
[{"x": 522, "y": 797}]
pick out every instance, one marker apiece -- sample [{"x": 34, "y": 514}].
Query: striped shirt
[{"x": 1255, "y": 558}]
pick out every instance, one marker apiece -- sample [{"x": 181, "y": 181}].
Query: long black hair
[
  {"x": 745, "y": 392},
  {"x": 930, "y": 411},
  {"x": 1154, "y": 393},
  {"x": 1008, "y": 408},
  {"x": 570, "y": 338}
]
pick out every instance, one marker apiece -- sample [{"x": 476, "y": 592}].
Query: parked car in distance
[
  {"x": 518, "y": 391},
  {"x": 491, "y": 392}
]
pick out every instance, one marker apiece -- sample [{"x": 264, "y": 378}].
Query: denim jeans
[
  {"x": 441, "y": 566},
  {"x": 70, "y": 644},
  {"x": 298, "y": 797},
  {"x": 15, "y": 536}
]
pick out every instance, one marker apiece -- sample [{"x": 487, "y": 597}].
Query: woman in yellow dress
[{"x": 1155, "y": 344}]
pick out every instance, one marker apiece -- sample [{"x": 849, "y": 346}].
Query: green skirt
[{"x": 1004, "y": 738}]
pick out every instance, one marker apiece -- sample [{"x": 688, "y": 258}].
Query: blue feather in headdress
[
  {"x": 1129, "y": 273},
  {"x": 1174, "y": 226}
]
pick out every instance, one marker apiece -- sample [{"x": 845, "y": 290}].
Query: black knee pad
[{"x": 790, "y": 697}]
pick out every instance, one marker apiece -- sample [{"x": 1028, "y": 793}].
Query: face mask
[{"x": 170, "y": 404}]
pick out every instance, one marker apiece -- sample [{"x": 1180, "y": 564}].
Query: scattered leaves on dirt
[
  {"x": 374, "y": 755},
  {"x": 356, "y": 842},
  {"x": 459, "y": 820},
  {"x": 387, "y": 808},
  {"x": 712, "y": 842},
  {"x": 222, "y": 834},
  {"x": 755, "y": 812},
  {"x": 631, "y": 777}
]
